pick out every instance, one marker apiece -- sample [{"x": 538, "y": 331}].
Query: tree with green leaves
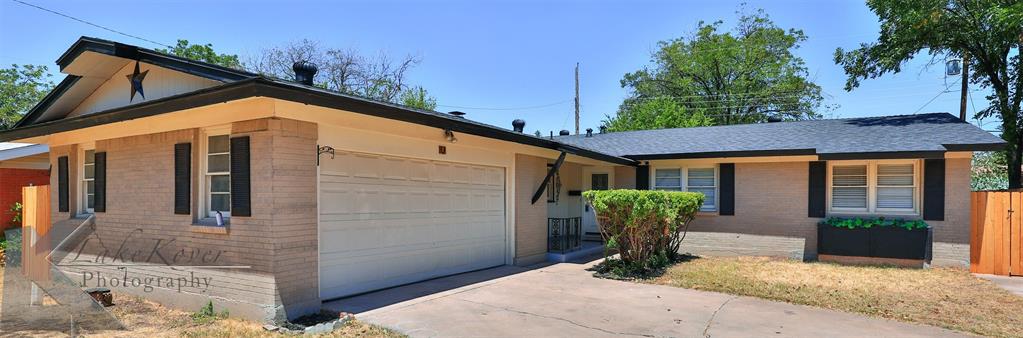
[
  {"x": 719, "y": 77},
  {"x": 990, "y": 32},
  {"x": 21, "y": 87},
  {"x": 204, "y": 53},
  {"x": 417, "y": 97}
]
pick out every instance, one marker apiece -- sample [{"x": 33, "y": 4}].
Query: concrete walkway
[
  {"x": 1011, "y": 284},
  {"x": 565, "y": 300}
]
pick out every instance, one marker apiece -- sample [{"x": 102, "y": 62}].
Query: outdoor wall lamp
[{"x": 450, "y": 136}]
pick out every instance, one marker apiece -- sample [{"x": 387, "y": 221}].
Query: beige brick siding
[
  {"x": 530, "y": 219},
  {"x": 294, "y": 212},
  {"x": 952, "y": 236},
  {"x": 625, "y": 178},
  {"x": 770, "y": 216},
  {"x": 278, "y": 242},
  {"x": 770, "y": 213}
]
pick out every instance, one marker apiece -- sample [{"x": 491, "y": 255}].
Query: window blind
[{"x": 849, "y": 187}]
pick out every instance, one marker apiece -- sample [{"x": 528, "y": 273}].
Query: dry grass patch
[
  {"x": 144, "y": 318},
  {"x": 950, "y": 298}
]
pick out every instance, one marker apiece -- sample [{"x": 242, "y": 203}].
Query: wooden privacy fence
[
  {"x": 996, "y": 232},
  {"x": 35, "y": 226}
]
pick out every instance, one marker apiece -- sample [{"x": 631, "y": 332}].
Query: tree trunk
[{"x": 1015, "y": 154}]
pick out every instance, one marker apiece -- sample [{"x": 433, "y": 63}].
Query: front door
[{"x": 597, "y": 181}]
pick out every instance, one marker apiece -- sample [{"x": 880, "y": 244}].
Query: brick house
[{"x": 303, "y": 195}]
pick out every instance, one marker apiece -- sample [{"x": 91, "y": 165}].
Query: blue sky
[{"x": 495, "y": 60}]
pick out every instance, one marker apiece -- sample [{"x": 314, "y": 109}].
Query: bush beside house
[{"x": 646, "y": 227}]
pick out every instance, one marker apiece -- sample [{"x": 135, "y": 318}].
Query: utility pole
[
  {"x": 577, "y": 98},
  {"x": 966, "y": 86}
]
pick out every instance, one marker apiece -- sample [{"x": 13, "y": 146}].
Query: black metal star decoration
[{"x": 136, "y": 82}]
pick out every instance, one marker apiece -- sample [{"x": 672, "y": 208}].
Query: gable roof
[
  {"x": 81, "y": 82},
  {"x": 922, "y": 135}
]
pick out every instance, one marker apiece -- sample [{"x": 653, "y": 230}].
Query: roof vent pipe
[
  {"x": 564, "y": 132},
  {"x": 589, "y": 132},
  {"x": 457, "y": 114},
  {"x": 773, "y": 119},
  {"x": 518, "y": 125},
  {"x": 304, "y": 72}
]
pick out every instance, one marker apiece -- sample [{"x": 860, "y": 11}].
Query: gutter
[{"x": 262, "y": 87}]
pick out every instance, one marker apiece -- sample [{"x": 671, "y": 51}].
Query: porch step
[{"x": 589, "y": 248}]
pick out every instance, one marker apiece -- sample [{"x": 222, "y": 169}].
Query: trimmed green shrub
[
  {"x": 645, "y": 226},
  {"x": 867, "y": 223}
]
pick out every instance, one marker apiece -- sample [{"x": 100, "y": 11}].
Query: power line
[
  {"x": 511, "y": 108},
  {"x": 943, "y": 91},
  {"x": 92, "y": 24}
]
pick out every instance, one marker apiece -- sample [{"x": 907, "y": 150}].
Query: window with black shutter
[{"x": 241, "y": 197}]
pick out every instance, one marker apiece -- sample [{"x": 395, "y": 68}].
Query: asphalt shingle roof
[{"x": 932, "y": 132}]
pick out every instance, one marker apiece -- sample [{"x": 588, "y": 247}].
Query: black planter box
[{"x": 882, "y": 242}]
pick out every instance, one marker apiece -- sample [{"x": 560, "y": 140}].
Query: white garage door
[{"x": 387, "y": 221}]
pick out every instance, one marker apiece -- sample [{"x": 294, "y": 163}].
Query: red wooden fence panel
[{"x": 996, "y": 232}]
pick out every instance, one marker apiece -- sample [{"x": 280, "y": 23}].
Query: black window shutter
[
  {"x": 100, "y": 182},
  {"x": 643, "y": 177},
  {"x": 726, "y": 194},
  {"x": 182, "y": 178},
  {"x": 62, "y": 184},
  {"x": 817, "y": 201},
  {"x": 934, "y": 189},
  {"x": 241, "y": 196}
]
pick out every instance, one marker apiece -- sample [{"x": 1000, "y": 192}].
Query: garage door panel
[{"x": 387, "y": 221}]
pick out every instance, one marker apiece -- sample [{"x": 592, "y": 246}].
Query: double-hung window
[
  {"x": 89, "y": 181},
  {"x": 896, "y": 187},
  {"x": 702, "y": 180},
  {"x": 218, "y": 175},
  {"x": 874, "y": 187},
  {"x": 668, "y": 179},
  {"x": 849, "y": 187}
]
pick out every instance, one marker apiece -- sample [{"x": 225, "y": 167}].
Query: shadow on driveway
[
  {"x": 381, "y": 298},
  {"x": 565, "y": 300}
]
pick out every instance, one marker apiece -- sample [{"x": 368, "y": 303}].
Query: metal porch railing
[{"x": 564, "y": 234}]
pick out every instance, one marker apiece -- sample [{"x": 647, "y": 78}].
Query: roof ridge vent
[{"x": 305, "y": 71}]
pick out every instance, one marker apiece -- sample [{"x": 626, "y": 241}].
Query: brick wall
[
  {"x": 770, "y": 215},
  {"x": 530, "y": 219},
  {"x": 277, "y": 243},
  {"x": 11, "y": 182},
  {"x": 952, "y": 236}
]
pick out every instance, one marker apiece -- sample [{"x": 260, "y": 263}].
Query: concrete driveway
[{"x": 565, "y": 300}]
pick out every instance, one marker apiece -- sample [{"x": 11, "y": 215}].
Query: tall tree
[
  {"x": 718, "y": 77},
  {"x": 21, "y": 87},
  {"x": 204, "y": 53},
  {"x": 347, "y": 71},
  {"x": 989, "y": 31}
]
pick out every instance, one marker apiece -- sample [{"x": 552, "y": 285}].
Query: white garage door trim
[{"x": 386, "y": 221}]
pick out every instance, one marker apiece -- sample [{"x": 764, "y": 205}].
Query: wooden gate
[
  {"x": 35, "y": 226},
  {"x": 996, "y": 232}
]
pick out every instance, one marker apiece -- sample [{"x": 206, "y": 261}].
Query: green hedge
[
  {"x": 867, "y": 223},
  {"x": 643, "y": 225}
]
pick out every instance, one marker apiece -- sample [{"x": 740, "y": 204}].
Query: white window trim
[
  {"x": 872, "y": 208},
  {"x": 204, "y": 178},
  {"x": 681, "y": 178},
  {"x": 684, "y": 177},
  {"x": 83, "y": 190}
]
